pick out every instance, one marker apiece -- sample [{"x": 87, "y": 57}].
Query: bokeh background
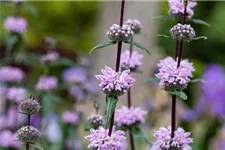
[{"x": 73, "y": 28}]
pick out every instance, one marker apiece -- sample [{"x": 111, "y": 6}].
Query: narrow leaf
[
  {"x": 137, "y": 132},
  {"x": 165, "y": 36},
  {"x": 197, "y": 80},
  {"x": 139, "y": 46},
  {"x": 181, "y": 94},
  {"x": 110, "y": 108},
  {"x": 164, "y": 18},
  {"x": 199, "y": 21},
  {"x": 11, "y": 41},
  {"x": 103, "y": 45},
  {"x": 153, "y": 79},
  {"x": 36, "y": 146},
  {"x": 201, "y": 37}
]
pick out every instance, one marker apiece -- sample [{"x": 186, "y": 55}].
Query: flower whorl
[
  {"x": 135, "y": 25},
  {"x": 29, "y": 106},
  {"x": 28, "y": 134}
]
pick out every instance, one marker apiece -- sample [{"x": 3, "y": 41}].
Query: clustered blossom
[
  {"x": 180, "y": 141},
  {"x": 115, "y": 83},
  {"x": 129, "y": 116},
  {"x": 29, "y": 106},
  {"x": 28, "y": 134},
  {"x": 183, "y": 32},
  {"x": 117, "y": 33},
  {"x": 11, "y": 74},
  {"x": 95, "y": 121},
  {"x": 135, "y": 25},
  {"x": 8, "y": 140},
  {"x": 74, "y": 75},
  {"x": 177, "y": 8},
  {"x": 15, "y": 94},
  {"x": 15, "y": 24},
  {"x": 132, "y": 62},
  {"x": 70, "y": 117},
  {"x": 50, "y": 57},
  {"x": 173, "y": 78},
  {"x": 99, "y": 139},
  {"x": 46, "y": 83}
]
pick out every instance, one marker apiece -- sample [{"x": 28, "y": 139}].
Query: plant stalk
[{"x": 28, "y": 123}]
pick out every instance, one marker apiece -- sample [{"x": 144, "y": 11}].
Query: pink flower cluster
[
  {"x": 177, "y": 8},
  {"x": 8, "y": 140},
  {"x": 173, "y": 78},
  {"x": 11, "y": 74},
  {"x": 15, "y": 24},
  {"x": 129, "y": 116},
  {"x": 70, "y": 117},
  {"x": 100, "y": 140},
  {"x": 50, "y": 57},
  {"x": 163, "y": 141},
  {"x": 46, "y": 83},
  {"x": 115, "y": 83},
  {"x": 132, "y": 62}
]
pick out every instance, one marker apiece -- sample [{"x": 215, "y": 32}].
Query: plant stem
[
  {"x": 117, "y": 60},
  {"x": 28, "y": 123},
  {"x": 173, "y": 115},
  {"x": 132, "y": 147}
]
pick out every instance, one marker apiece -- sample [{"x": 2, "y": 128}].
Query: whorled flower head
[
  {"x": 95, "y": 121},
  {"x": 132, "y": 62},
  {"x": 46, "y": 83},
  {"x": 99, "y": 139},
  {"x": 15, "y": 94},
  {"x": 173, "y": 78},
  {"x": 29, "y": 106},
  {"x": 28, "y": 134},
  {"x": 115, "y": 83},
  {"x": 135, "y": 25},
  {"x": 177, "y": 8},
  {"x": 50, "y": 57},
  {"x": 117, "y": 33},
  {"x": 129, "y": 116},
  {"x": 70, "y": 117},
  {"x": 163, "y": 141},
  {"x": 15, "y": 24},
  {"x": 182, "y": 32},
  {"x": 74, "y": 75},
  {"x": 11, "y": 74}
]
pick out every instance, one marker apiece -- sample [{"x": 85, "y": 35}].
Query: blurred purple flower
[
  {"x": 3, "y": 93},
  {"x": 70, "y": 117},
  {"x": 163, "y": 141},
  {"x": 129, "y": 116},
  {"x": 91, "y": 87},
  {"x": 78, "y": 93},
  {"x": 99, "y": 139},
  {"x": 13, "y": 119},
  {"x": 74, "y": 75},
  {"x": 15, "y": 24},
  {"x": 36, "y": 121},
  {"x": 46, "y": 83},
  {"x": 115, "y": 83},
  {"x": 70, "y": 145},
  {"x": 8, "y": 140},
  {"x": 11, "y": 74},
  {"x": 15, "y": 94},
  {"x": 132, "y": 62},
  {"x": 50, "y": 57}
]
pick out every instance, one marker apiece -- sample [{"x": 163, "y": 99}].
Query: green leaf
[
  {"x": 62, "y": 62},
  {"x": 136, "y": 131},
  {"x": 201, "y": 37},
  {"x": 103, "y": 45},
  {"x": 10, "y": 42},
  {"x": 36, "y": 146},
  {"x": 197, "y": 80},
  {"x": 172, "y": 18},
  {"x": 181, "y": 94},
  {"x": 153, "y": 79},
  {"x": 5, "y": 61},
  {"x": 110, "y": 108},
  {"x": 138, "y": 45},
  {"x": 30, "y": 8},
  {"x": 199, "y": 21},
  {"x": 165, "y": 36}
]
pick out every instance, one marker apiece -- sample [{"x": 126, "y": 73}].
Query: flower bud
[
  {"x": 183, "y": 32},
  {"x": 135, "y": 25},
  {"x": 28, "y": 134},
  {"x": 95, "y": 121},
  {"x": 117, "y": 33},
  {"x": 29, "y": 106}
]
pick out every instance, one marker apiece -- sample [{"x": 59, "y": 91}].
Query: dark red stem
[
  {"x": 132, "y": 147},
  {"x": 28, "y": 123}
]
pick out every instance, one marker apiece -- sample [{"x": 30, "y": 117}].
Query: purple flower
[
  {"x": 50, "y": 57},
  {"x": 11, "y": 74},
  {"x": 3, "y": 93},
  {"x": 135, "y": 25},
  {"x": 173, "y": 78},
  {"x": 115, "y": 83},
  {"x": 70, "y": 117},
  {"x": 132, "y": 62},
  {"x": 46, "y": 83},
  {"x": 163, "y": 141},
  {"x": 99, "y": 139},
  {"x": 74, "y": 75},
  {"x": 129, "y": 116},
  {"x": 71, "y": 145},
  {"x": 9, "y": 140},
  {"x": 177, "y": 8},
  {"x": 15, "y": 94},
  {"x": 13, "y": 118},
  {"x": 77, "y": 92},
  {"x": 15, "y": 24}
]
